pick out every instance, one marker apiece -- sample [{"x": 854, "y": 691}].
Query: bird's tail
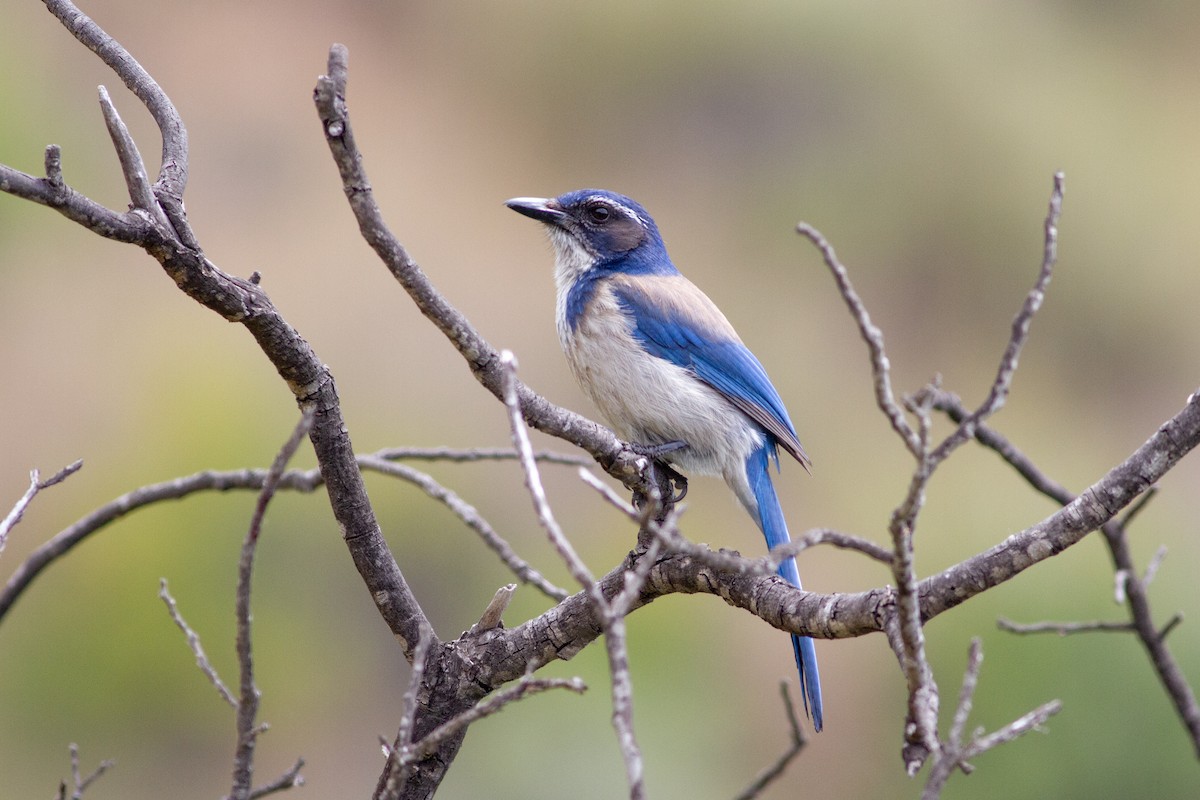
[{"x": 774, "y": 528}]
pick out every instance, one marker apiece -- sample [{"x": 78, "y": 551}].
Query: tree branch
[
  {"x": 193, "y": 640},
  {"x": 247, "y": 707},
  {"x": 1173, "y": 440},
  {"x": 774, "y": 770},
  {"x": 36, "y": 484},
  {"x": 484, "y": 360}
]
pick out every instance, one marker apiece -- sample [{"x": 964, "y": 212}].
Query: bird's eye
[{"x": 599, "y": 214}]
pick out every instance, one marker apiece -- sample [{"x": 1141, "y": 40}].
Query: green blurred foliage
[{"x": 920, "y": 138}]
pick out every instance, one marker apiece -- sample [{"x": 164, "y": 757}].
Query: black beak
[{"x": 540, "y": 208}]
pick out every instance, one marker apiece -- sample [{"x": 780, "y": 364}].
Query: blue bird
[{"x": 664, "y": 366}]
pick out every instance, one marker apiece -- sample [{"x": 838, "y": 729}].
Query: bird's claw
[
  {"x": 680, "y": 483},
  {"x": 655, "y": 453}
]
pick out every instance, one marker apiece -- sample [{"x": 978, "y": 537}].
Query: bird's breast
[{"x": 647, "y": 399}]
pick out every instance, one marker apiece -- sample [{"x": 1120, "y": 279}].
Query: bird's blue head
[{"x": 598, "y": 232}]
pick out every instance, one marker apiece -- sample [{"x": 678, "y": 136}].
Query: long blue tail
[{"x": 770, "y": 519}]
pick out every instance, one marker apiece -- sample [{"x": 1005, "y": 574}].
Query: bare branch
[
  {"x": 247, "y": 707},
  {"x": 954, "y": 754},
  {"x": 871, "y": 334},
  {"x": 843, "y": 541},
  {"x": 1020, "y": 331},
  {"x": 611, "y": 614},
  {"x": 35, "y": 486},
  {"x": 622, "y": 705},
  {"x": 674, "y": 541},
  {"x": 533, "y": 480},
  {"x": 477, "y": 454},
  {"x": 907, "y": 637},
  {"x": 213, "y": 480},
  {"x": 773, "y": 771},
  {"x": 174, "y": 172},
  {"x": 989, "y": 437},
  {"x": 966, "y": 695},
  {"x": 1142, "y": 617},
  {"x": 395, "y": 772},
  {"x": 236, "y": 300},
  {"x": 1130, "y": 480},
  {"x": 193, "y": 640},
  {"x": 80, "y": 783},
  {"x": 1019, "y": 727},
  {"x": 525, "y": 687},
  {"x": 471, "y": 517},
  {"x": 288, "y": 780},
  {"x": 484, "y": 360},
  {"x": 1065, "y": 628}
]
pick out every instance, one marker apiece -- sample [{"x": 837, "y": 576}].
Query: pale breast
[{"x": 649, "y": 400}]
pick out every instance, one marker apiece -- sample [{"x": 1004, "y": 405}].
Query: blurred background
[{"x": 920, "y": 138}]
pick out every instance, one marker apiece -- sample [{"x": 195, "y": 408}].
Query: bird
[{"x": 664, "y": 366}]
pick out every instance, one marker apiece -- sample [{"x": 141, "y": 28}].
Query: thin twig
[
  {"x": 460, "y": 455},
  {"x": 998, "y": 392},
  {"x": 908, "y": 638},
  {"x": 1138, "y": 474},
  {"x": 674, "y": 541},
  {"x": 483, "y": 359},
  {"x": 622, "y": 705},
  {"x": 35, "y": 485},
  {"x": 1064, "y": 628},
  {"x": 1019, "y": 727},
  {"x": 193, "y": 640},
  {"x": 208, "y": 480},
  {"x": 1155, "y": 561},
  {"x": 1172, "y": 623},
  {"x": 797, "y": 743},
  {"x": 843, "y": 541},
  {"x": 954, "y": 754},
  {"x": 80, "y": 783},
  {"x": 525, "y": 687},
  {"x": 966, "y": 694},
  {"x": 471, "y": 517},
  {"x": 871, "y": 334},
  {"x": 395, "y": 771},
  {"x": 533, "y": 481},
  {"x": 288, "y": 780},
  {"x": 249, "y": 695},
  {"x": 1136, "y": 508},
  {"x": 611, "y": 615},
  {"x": 174, "y": 170}
]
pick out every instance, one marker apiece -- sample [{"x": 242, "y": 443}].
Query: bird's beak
[{"x": 540, "y": 208}]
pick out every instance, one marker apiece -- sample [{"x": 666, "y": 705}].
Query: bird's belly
[{"x": 651, "y": 401}]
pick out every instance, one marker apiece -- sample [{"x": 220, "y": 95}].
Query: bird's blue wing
[{"x": 676, "y": 322}]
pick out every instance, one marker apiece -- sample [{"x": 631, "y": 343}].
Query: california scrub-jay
[{"x": 664, "y": 366}]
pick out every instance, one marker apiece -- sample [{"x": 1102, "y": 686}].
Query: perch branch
[
  {"x": 1174, "y": 439},
  {"x": 482, "y": 359}
]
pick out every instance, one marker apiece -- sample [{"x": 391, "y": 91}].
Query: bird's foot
[
  {"x": 678, "y": 480},
  {"x": 677, "y": 483}
]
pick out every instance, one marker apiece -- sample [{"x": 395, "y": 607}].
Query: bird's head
[{"x": 596, "y": 229}]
